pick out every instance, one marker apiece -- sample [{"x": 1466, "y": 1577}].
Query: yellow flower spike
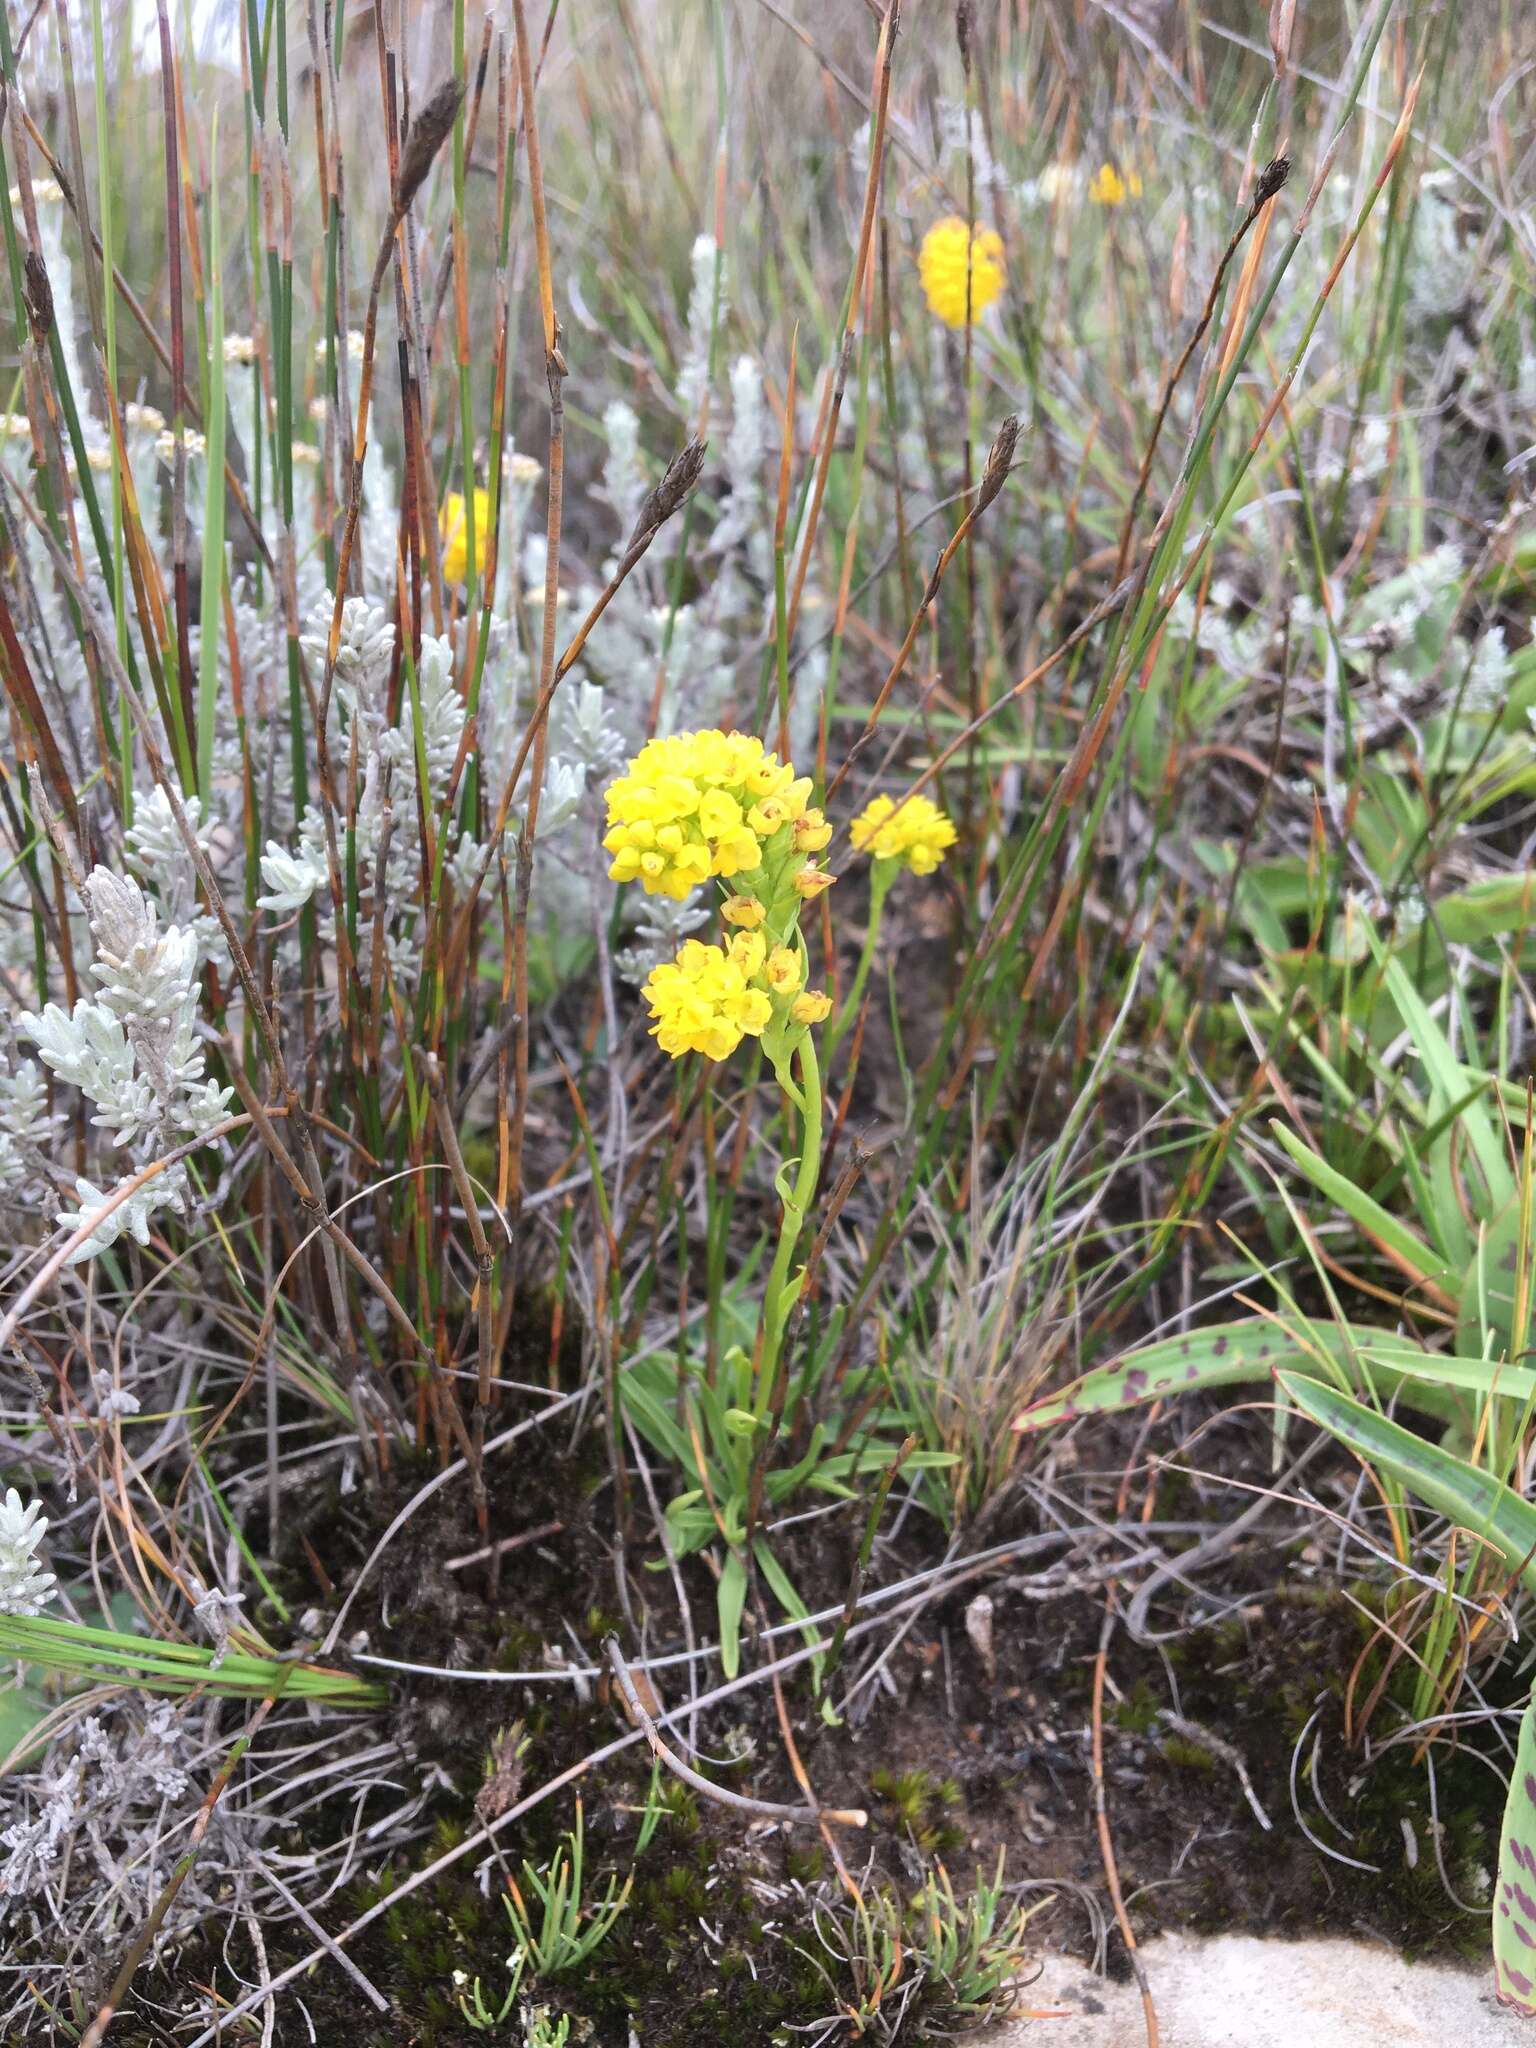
[
  {"x": 745, "y": 911},
  {"x": 814, "y": 1006},
  {"x": 810, "y": 881},
  {"x": 706, "y": 802},
  {"x": 949, "y": 249},
  {"x": 782, "y": 970},
  {"x": 1108, "y": 188},
  {"x": 454, "y": 528},
  {"x": 915, "y": 832}
]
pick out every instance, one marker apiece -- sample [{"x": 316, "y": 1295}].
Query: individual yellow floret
[
  {"x": 949, "y": 249},
  {"x": 1108, "y": 188},
  {"x": 698, "y": 804},
  {"x": 782, "y": 970},
  {"x": 809, "y": 881},
  {"x": 454, "y": 528},
  {"x": 745, "y": 911},
  {"x": 747, "y": 952},
  {"x": 704, "y": 1001},
  {"x": 914, "y": 832},
  {"x": 812, "y": 832},
  {"x": 813, "y": 1006}
]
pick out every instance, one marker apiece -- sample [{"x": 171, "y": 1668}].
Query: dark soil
[{"x": 956, "y": 1763}]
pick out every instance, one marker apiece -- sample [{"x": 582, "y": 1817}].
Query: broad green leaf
[
  {"x": 1404, "y": 1246},
  {"x": 21, "y": 1708},
  {"x": 1232, "y": 1354},
  {"x": 646, "y": 1390},
  {"x": 731, "y": 1597},
  {"x": 1472, "y": 1498},
  {"x": 784, "y": 1592},
  {"x": 1479, "y": 1376},
  {"x": 1500, "y": 907},
  {"x": 1488, "y": 1292},
  {"x": 1514, "y": 1899}
]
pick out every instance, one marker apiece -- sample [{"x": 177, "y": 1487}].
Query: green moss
[
  {"x": 918, "y": 1804},
  {"x": 1138, "y": 1710},
  {"x": 1186, "y": 1755}
]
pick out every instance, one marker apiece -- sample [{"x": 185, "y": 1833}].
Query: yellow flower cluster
[
  {"x": 712, "y": 997},
  {"x": 1108, "y": 188},
  {"x": 704, "y": 1000},
  {"x": 914, "y": 832},
  {"x": 949, "y": 249},
  {"x": 454, "y": 528},
  {"x": 701, "y": 804}
]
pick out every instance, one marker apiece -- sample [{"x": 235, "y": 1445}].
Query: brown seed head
[
  {"x": 683, "y": 472},
  {"x": 39, "y": 297},
  {"x": 429, "y": 131},
  {"x": 999, "y": 462},
  {"x": 1271, "y": 178}
]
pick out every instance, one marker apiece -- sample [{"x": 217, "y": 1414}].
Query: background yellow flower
[
  {"x": 947, "y": 247},
  {"x": 454, "y": 528},
  {"x": 1108, "y": 188},
  {"x": 915, "y": 832}
]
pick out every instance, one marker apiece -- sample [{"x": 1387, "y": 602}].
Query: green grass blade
[
  {"x": 1449, "y": 1080},
  {"x": 1403, "y": 1246},
  {"x": 210, "y": 614}
]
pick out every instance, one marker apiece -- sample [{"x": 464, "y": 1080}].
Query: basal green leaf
[
  {"x": 731, "y": 1597},
  {"x": 1232, "y": 1354},
  {"x": 1514, "y": 1898},
  {"x": 1473, "y": 1498}
]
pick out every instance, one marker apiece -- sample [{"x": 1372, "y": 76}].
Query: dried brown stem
[{"x": 759, "y": 1809}]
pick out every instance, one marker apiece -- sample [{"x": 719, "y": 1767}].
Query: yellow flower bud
[
  {"x": 813, "y": 1007},
  {"x": 738, "y": 852},
  {"x": 745, "y": 911},
  {"x": 811, "y": 880},
  {"x": 718, "y": 814}
]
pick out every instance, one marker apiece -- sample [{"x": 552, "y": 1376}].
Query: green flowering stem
[
  {"x": 783, "y": 1287},
  {"x": 882, "y": 874}
]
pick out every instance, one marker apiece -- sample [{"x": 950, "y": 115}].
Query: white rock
[{"x": 1235, "y": 1991}]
